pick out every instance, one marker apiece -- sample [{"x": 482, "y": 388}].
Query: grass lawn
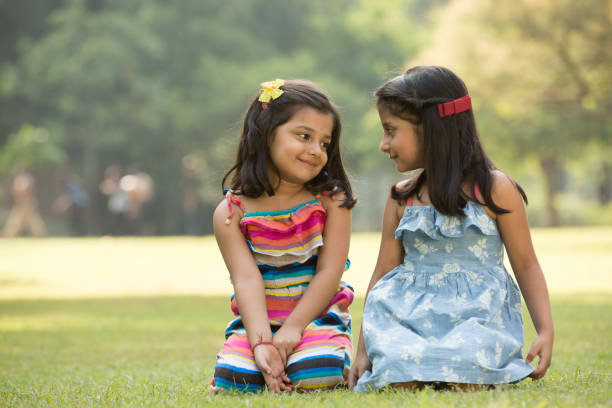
[{"x": 137, "y": 322}]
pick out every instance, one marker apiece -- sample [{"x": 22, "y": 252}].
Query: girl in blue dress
[{"x": 441, "y": 308}]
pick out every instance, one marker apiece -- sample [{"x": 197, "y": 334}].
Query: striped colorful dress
[{"x": 285, "y": 246}]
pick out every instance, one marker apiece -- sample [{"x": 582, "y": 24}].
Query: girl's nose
[
  {"x": 315, "y": 149},
  {"x": 384, "y": 146}
]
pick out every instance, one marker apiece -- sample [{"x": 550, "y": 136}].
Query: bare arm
[
  {"x": 390, "y": 255},
  {"x": 514, "y": 230},
  {"x": 324, "y": 284},
  {"x": 250, "y": 296}
]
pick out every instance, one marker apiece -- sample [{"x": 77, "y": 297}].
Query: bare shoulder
[
  {"x": 223, "y": 212},
  {"x": 402, "y": 185},
  {"x": 334, "y": 201},
  {"x": 393, "y": 209},
  {"x": 504, "y": 191},
  {"x": 407, "y": 183}
]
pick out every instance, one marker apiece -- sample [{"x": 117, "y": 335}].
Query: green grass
[
  {"x": 128, "y": 341},
  {"x": 574, "y": 260},
  {"x": 148, "y": 351}
]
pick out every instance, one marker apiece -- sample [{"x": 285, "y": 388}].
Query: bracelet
[{"x": 259, "y": 342}]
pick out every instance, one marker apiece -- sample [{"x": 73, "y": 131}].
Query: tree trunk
[
  {"x": 91, "y": 179},
  {"x": 550, "y": 168},
  {"x": 172, "y": 197},
  {"x": 604, "y": 184}
]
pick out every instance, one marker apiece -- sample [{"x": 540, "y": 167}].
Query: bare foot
[
  {"x": 470, "y": 387},
  {"x": 408, "y": 386}
]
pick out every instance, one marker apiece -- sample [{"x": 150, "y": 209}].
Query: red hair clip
[{"x": 456, "y": 106}]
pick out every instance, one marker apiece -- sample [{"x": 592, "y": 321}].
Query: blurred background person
[
  {"x": 139, "y": 189},
  {"x": 118, "y": 201},
  {"x": 24, "y": 211},
  {"x": 73, "y": 202}
]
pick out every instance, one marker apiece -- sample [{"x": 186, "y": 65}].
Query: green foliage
[
  {"x": 142, "y": 84},
  {"x": 31, "y": 148},
  {"x": 539, "y": 73}
]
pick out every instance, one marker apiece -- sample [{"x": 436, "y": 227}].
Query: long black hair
[
  {"x": 452, "y": 149},
  {"x": 249, "y": 175}
]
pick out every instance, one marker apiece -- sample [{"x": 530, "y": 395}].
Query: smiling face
[
  {"x": 402, "y": 140},
  {"x": 299, "y": 146}
]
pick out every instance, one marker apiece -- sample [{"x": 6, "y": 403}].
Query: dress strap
[
  {"x": 326, "y": 194},
  {"x": 232, "y": 199},
  {"x": 476, "y": 192},
  {"x": 409, "y": 201}
]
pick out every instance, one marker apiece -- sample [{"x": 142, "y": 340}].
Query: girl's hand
[
  {"x": 271, "y": 366},
  {"x": 360, "y": 365},
  {"x": 286, "y": 340},
  {"x": 542, "y": 347}
]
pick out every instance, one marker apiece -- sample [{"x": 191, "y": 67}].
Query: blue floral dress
[{"x": 450, "y": 312}]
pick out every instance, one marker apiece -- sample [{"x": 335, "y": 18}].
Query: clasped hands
[{"x": 271, "y": 359}]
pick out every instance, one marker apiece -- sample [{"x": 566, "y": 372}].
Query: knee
[
  {"x": 232, "y": 378},
  {"x": 318, "y": 373}
]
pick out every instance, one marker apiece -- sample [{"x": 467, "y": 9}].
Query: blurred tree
[
  {"x": 84, "y": 80},
  {"x": 143, "y": 84},
  {"x": 540, "y": 74},
  {"x": 30, "y": 148},
  {"x": 21, "y": 22}
]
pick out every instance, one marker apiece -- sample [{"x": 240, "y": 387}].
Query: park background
[
  {"x": 159, "y": 87},
  {"x": 147, "y": 86}
]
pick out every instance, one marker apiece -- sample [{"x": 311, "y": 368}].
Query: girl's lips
[{"x": 307, "y": 163}]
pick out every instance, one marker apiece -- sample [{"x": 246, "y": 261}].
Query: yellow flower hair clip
[{"x": 270, "y": 90}]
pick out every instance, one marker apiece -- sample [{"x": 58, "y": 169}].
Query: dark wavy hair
[
  {"x": 249, "y": 175},
  {"x": 453, "y": 152}
]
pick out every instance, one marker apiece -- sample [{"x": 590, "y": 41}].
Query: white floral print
[
  {"x": 485, "y": 298},
  {"x": 437, "y": 279},
  {"x": 498, "y": 351},
  {"x": 485, "y": 222},
  {"x": 481, "y": 357},
  {"x": 473, "y": 278},
  {"x": 451, "y": 312},
  {"x": 414, "y": 352},
  {"x": 479, "y": 250},
  {"x": 497, "y": 319},
  {"x": 423, "y": 248},
  {"x": 453, "y": 341},
  {"x": 449, "y": 375},
  {"x": 450, "y": 225},
  {"x": 451, "y": 268}
]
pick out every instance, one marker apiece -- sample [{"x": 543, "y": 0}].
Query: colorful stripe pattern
[{"x": 285, "y": 246}]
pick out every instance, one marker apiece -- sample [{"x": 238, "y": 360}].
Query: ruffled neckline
[
  {"x": 296, "y": 231},
  {"x": 437, "y": 225}
]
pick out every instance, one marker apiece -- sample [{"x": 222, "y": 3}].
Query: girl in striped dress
[{"x": 283, "y": 230}]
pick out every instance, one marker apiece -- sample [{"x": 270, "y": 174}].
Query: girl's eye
[
  {"x": 303, "y": 136},
  {"x": 325, "y": 145}
]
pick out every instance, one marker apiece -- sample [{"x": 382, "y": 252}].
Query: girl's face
[
  {"x": 402, "y": 141},
  {"x": 299, "y": 146}
]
